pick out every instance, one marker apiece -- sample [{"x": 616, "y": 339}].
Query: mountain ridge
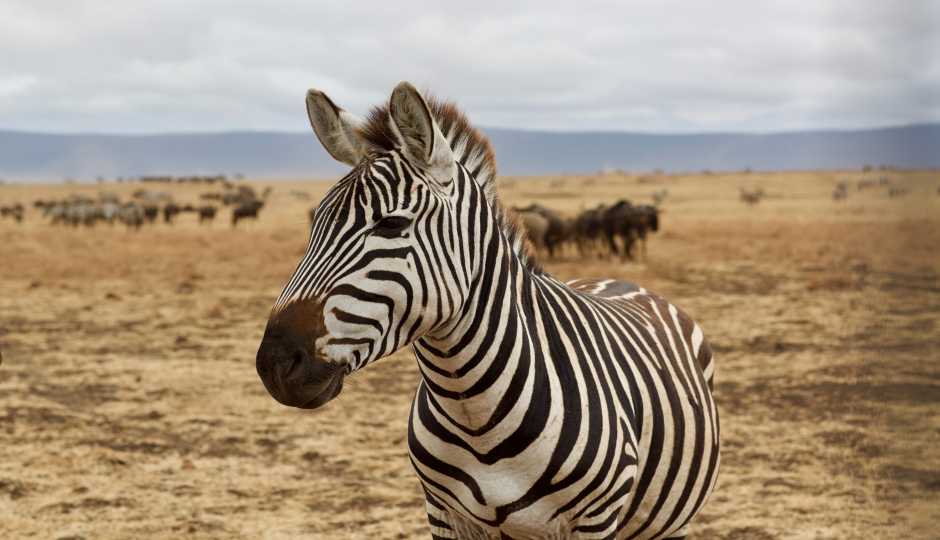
[{"x": 38, "y": 157}]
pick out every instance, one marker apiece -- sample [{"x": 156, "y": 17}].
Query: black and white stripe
[{"x": 546, "y": 410}]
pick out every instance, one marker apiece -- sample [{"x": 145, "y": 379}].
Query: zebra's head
[{"x": 394, "y": 248}]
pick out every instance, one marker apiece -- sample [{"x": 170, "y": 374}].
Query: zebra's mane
[{"x": 471, "y": 149}]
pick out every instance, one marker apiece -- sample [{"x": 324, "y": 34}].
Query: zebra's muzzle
[
  {"x": 296, "y": 379},
  {"x": 288, "y": 363}
]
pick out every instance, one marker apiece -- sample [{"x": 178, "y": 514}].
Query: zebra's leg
[
  {"x": 440, "y": 520},
  {"x": 447, "y": 526}
]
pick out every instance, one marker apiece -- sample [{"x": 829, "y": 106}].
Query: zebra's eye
[{"x": 391, "y": 225}]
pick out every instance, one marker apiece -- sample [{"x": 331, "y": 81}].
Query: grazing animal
[
  {"x": 537, "y": 227},
  {"x": 557, "y": 231},
  {"x": 624, "y": 221},
  {"x": 81, "y": 213},
  {"x": 56, "y": 212},
  {"x": 206, "y": 213},
  {"x": 170, "y": 211},
  {"x": 750, "y": 197},
  {"x": 150, "y": 212},
  {"x": 133, "y": 215},
  {"x": 546, "y": 410},
  {"x": 646, "y": 219},
  {"x": 15, "y": 211},
  {"x": 246, "y": 209},
  {"x": 660, "y": 196},
  {"x": 107, "y": 211},
  {"x": 588, "y": 230}
]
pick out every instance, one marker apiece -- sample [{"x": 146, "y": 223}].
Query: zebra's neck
[{"x": 493, "y": 353}]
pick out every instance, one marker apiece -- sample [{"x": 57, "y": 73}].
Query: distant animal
[
  {"x": 247, "y": 209},
  {"x": 206, "y": 213},
  {"x": 150, "y": 212},
  {"x": 107, "y": 211},
  {"x": 170, "y": 211},
  {"x": 557, "y": 231},
  {"x": 620, "y": 221},
  {"x": 545, "y": 410},
  {"x": 536, "y": 226},
  {"x": 14, "y": 210},
  {"x": 133, "y": 215},
  {"x": 81, "y": 213},
  {"x": 647, "y": 220},
  {"x": 659, "y": 196},
  {"x": 751, "y": 197},
  {"x": 588, "y": 230},
  {"x": 300, "y": 195}
]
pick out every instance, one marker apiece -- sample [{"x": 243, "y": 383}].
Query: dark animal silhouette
[
  {"x": 206, "y": 213},
  {"x": 557, "y": 231}
]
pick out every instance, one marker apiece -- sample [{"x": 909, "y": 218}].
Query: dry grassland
[{"x": 130, "y": 406}]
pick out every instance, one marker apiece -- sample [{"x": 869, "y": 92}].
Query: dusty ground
[{"x": 130, "y": 407}]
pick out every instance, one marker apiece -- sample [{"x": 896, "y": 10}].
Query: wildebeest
[
  {"x": 206, "y": 213},
  {"x": 647, "y": 220},
  {"x": 558, "y": 229},
  {"x": 620, "y": 221},
  {"x": 170, "y": 211},
  {"x": 150, "y": 212},
  {"x": 588, "y": 230},
  {"x": 536, "y": 226},
  {"x": 15, "y": 211},
  {"x": 246, "y": 209}
]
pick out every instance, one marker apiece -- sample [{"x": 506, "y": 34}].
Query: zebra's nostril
[{"x": 295, "y": 371}]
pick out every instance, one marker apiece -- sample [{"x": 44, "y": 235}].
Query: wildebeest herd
[
  {"x": 145, "y": 207},
  {"x": 603, "y": 231}
]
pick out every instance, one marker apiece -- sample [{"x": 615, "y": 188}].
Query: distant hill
[{"x": 46, "y": 157}]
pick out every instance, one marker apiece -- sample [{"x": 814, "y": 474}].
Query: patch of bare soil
[{"x": 130, "y": 406}]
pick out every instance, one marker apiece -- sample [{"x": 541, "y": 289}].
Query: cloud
[{"x": 663, "y": 66}]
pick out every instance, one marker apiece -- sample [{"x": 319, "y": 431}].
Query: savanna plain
[{"x": 130, "y": 407}]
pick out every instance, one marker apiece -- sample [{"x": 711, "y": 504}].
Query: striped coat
[{"x": 546, "y": 410}]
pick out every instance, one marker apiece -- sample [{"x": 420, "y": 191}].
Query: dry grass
[{"x": 129, "y": 405}]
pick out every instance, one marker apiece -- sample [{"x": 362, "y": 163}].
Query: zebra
[
  {"x": 132, "y": 214},
  {"x": 545, "y": 410}
]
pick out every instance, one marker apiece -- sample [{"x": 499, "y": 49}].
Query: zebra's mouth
[{"x": 332, "y": 389}]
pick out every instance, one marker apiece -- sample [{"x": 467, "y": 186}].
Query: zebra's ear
[
  {"x": 335, "y": 128},
  {"x": 421, "y": 139}
]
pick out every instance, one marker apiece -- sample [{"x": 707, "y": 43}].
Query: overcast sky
[{"x": 663, "y": 66}]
